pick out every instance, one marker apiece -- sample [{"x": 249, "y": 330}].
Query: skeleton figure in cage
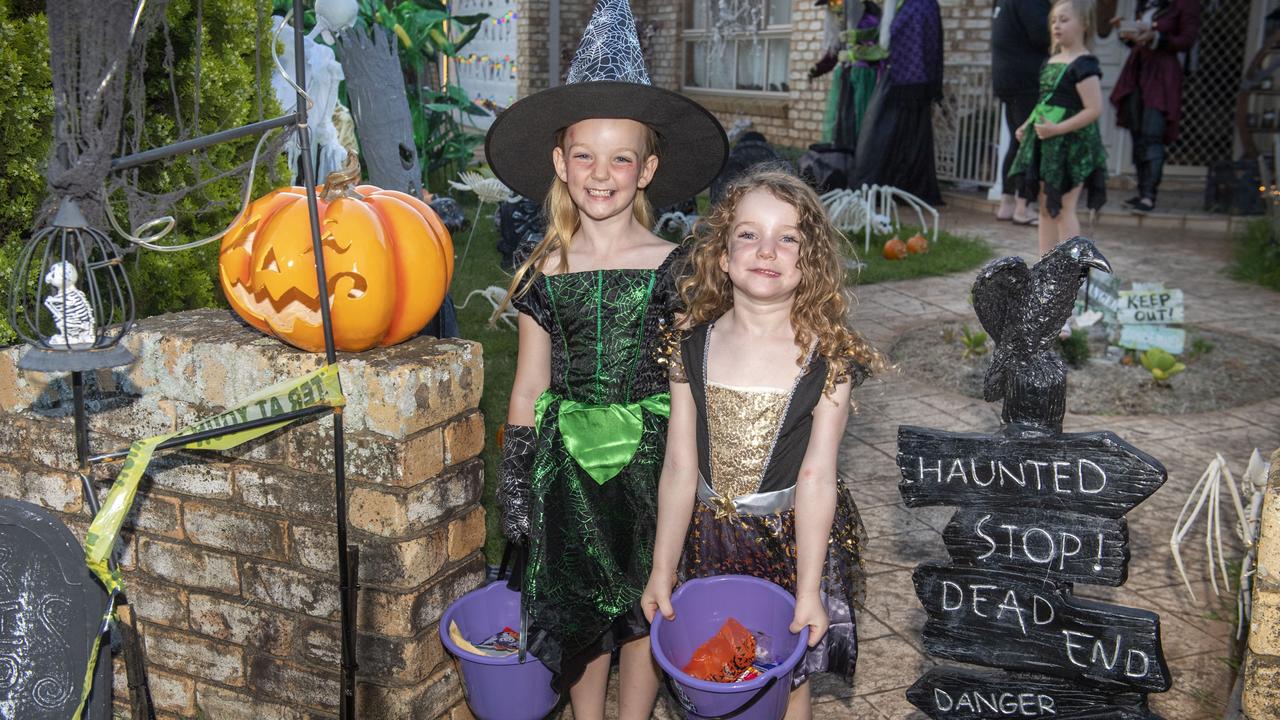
[{"x": 72, "y": 313}]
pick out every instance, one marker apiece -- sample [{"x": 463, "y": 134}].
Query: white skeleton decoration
[
  {"x": 874, "y": 208},
  {"x": 488, "y": 190},
  {"x": 324, "y": 74},
  {"x": 495, "y": 297},
  {"x": 1207, "y": 498},
  {"x": 72, "y": 313}
]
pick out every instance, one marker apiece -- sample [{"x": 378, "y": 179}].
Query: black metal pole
[
  {"x": 346, "y": 555},
  {"x": 199, "y": 143}
]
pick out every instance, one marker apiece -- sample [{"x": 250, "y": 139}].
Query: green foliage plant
[
  {"x": 974, "y": 342},
  {"x": 1199, "y": 346},
  {"x": 26, "y": 130},
  {"x": 424, "y": 29},
  {"x": 1161, "y": 365},
  {"x": 229, "y": 95},
  {"x": 1075, "y": 348},
  {"x": 1257, "y": 254}
]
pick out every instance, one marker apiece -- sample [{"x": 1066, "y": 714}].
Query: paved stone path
[{"x": 1197, "y": 636}]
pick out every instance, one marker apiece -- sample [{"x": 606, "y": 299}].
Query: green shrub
[
  {"x": 26, "y": 130},
  {"x": 1258, "y": 255},
  {"x": 1075, "y": 349},
  {"x": 228, "y": 96}
]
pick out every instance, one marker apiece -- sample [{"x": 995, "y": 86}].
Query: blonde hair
[
  {"x": 820, "y": 311},
  {"x": 563, "y": 221},
  {"x": 1085, "y": 13}
]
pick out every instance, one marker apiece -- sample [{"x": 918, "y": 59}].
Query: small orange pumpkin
[
  {"x": 388, "y": 259},
  {"x": 895, "y": 249},
  {"x": 917, "y": 245}
]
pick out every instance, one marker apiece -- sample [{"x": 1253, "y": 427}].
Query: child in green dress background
[{"x": 1061, "y": 154}]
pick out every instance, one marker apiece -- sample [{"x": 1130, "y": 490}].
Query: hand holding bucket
[{"x": 700, "y": 607}]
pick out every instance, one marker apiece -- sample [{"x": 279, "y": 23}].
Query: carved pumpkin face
[{"x": 387, "y": 257}]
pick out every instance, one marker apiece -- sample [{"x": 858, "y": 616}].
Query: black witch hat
[{"x": 607, "y": 79}]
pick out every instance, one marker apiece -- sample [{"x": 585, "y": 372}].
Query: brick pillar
[
  {"x": 1262, "y": 657},
  {"x": 230, "y": 557}
]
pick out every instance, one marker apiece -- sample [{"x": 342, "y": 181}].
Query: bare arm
[
  {"x": 1090, "y": 90},
  {"x": 816, "y": 489},
  {"x": 677, "y": 493},
  {"x": 533, "y": 371}
]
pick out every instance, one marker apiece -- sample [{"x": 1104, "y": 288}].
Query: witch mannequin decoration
[{"x": 587, "y": 421}]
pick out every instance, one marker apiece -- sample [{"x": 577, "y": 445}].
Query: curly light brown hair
[{"x": 820, "y": 312}]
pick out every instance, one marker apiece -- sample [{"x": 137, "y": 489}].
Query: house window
[{"x": 738, "y": 46}]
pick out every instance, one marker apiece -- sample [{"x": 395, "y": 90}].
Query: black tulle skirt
[{"x": 764, "y": 546}]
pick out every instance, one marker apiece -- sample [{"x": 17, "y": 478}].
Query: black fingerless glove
[{"x": 514, "y": 480}]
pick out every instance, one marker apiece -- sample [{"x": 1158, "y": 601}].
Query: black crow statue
[{"x": 1023, "y": 309}]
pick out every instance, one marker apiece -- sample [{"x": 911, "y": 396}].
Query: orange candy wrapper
[{"x": 724, "y": 657}]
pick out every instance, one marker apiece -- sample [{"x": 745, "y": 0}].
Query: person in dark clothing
[
  {"x": 1148, "y": 94},
  {"x": 1019, "y": 46},
  {"x": 895, "y": 143}
]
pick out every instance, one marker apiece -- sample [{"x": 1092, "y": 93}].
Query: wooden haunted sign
[
  {"x": 960, "y": 694},
  {"x": 1039, "y": 510},
  {"x": 1065, "y": 545},
  {"x": 1003, "y": 619},
  {"x": 1094, "y": 473},
  {"x": 50, "y": 612}
]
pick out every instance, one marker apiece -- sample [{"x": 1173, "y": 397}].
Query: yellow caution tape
[{"x": 315, "y": 389}]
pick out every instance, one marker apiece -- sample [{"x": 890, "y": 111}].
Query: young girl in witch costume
[
  {"x": 1061, "y": 152},
  {"x": 760, "y": 391},
  {"x": 587, "y": 420}
]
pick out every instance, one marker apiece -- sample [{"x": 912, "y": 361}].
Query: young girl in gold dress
[{"x": 760, "y": 390}]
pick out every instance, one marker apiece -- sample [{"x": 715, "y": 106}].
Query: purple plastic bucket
[
  {"x": 702, "y": 606},
  {"x": 497, "y": 688}
]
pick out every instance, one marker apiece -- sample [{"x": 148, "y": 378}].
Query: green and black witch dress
[
  {"x": 601, "y": 435},
  {"x": 1068, "y": 161}
]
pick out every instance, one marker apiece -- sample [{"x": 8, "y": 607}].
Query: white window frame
[{"x": 689, "y": 35}]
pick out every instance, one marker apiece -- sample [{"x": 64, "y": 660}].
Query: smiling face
[
  {"x": 763, "y": 254},
  {"x": 604, "y": 161}
]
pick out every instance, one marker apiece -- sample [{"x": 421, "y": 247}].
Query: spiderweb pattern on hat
[{"x": 610, "y": 48}]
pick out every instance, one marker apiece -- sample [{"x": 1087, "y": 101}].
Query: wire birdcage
[{"x": 71, "y": 301}]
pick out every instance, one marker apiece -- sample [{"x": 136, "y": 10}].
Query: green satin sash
[{"x": 601, "y": 438}]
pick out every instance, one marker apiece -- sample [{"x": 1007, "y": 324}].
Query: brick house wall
[{"x": 794, "y": 119}]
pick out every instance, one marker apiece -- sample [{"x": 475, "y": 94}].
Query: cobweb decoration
[
  {"x": 205, "y": 178},
  {"x": 730, "y": 19},
  {"x": 610, "y": 48}
]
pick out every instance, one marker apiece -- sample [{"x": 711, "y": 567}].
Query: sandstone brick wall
[
  {"x": 230, "y": 558},
  {"x": 1262, "y": 656}
]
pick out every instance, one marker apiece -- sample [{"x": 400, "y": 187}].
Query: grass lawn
[
  {"x": 1258, "y": 255},
  {"x": 480, "y": 270}
]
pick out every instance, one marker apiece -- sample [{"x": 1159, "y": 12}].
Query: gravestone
[
  {"x": 1039, "y": 510},
  {"x": 50, "y": 611}
]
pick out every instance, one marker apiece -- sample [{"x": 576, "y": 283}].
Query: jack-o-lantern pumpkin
[
  {"x": 387, "y": 257},
  {"x": 895, "y": 249}
]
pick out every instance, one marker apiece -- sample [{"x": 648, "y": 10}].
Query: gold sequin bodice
[{"x": 742, "y": 424}]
